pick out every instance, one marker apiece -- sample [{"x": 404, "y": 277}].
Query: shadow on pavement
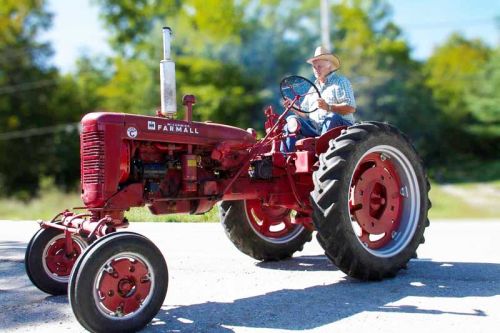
[
  {"x": 17, "y": 292},
  {"x": 300, "y": 263},
  {"x": 12, "y": 251},
  {"x": 321, "y": 305},
  {"x": 292, "y": 309},
  {"x": 11, "y": 256}
]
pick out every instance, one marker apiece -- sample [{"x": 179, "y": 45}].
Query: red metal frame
[{"x": 110, "y": 141}]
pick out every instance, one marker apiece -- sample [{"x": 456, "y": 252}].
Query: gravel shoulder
[{"x": 453, "y": 285}]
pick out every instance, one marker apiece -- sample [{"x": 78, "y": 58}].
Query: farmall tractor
[{"x": 361, "y": 188}]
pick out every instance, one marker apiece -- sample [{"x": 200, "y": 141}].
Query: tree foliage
[
  {"x": 460, "y": 75},
  {"x": 204, "y": 34},
  {"x": 452, "y": 72},
  {"x": 27, "y": 84},
  {"x": 34, "y": 95},
  {"x": 232, "y": 55},
  {"x": 483, "y": 98}
]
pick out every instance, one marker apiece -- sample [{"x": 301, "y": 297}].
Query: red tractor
[{"x": 362, "y": 188}]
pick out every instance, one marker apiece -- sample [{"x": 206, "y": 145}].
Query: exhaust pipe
[{"x": 167, "y": 78}]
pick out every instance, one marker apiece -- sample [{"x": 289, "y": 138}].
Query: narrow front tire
[
  {"x": 47, "y": 263},
  {"x": 119, "y": 284}
]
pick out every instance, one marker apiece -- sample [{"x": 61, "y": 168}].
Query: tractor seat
[{"x": 306, "y": 144}]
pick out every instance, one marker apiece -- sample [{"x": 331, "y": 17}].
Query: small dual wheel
[
  {"x": 118, "y": 284},
  {"x": 47, "y": 263}
]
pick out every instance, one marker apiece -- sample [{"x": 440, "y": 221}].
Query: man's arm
[
  {"x": 343, "y": 95},
  {"x": 342, "y": 109}
]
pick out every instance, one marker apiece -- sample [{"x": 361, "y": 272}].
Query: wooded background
[{"x": 232, "y": 56}]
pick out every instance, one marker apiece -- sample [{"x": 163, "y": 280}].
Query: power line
[
  {"x": 447, "y": 24},
  {"x": 69, "y": 127},
  {"x": 26, "y": 86},
  {"x": 15, "y": 51}
]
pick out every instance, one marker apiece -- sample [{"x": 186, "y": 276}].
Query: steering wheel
[{"x": 297, "y": 88}]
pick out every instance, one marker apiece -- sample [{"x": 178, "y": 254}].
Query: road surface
[{"x": 454, "y": 285}]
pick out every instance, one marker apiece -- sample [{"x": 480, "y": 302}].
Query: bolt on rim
[
  {"x": 124, "y": 285},
  {"x": 274, "y": 224},
  {"x": 56, "y": 263},
  {"x": 384, "y": 201}
]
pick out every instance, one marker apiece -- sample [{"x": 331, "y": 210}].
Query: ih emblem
[
  {"x": 132, "y": 132},
  {"x": 151, "y": 125}
]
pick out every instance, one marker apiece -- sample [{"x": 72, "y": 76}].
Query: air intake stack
[{"x": 167, "y": 78}]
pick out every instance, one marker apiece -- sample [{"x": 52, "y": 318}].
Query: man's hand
[
  {"x": 322, "y": 104},
  {"x": 287, "y": 102}
]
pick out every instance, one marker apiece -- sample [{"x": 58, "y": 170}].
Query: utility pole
[{"x": 325, "y": 24}]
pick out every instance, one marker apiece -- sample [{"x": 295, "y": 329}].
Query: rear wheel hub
[
  {"x": 375, "y": 200},
  {"x": 273, "y": 223}
]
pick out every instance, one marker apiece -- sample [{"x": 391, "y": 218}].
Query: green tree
[
  {"x": 453, "y": 72},
  {"x": 132, "y": 87},
  {"x": 388, "y": 84},
  {"x": 252, "y": 44},
  {"x": 483, "y": 102},
  {"x": 32, "y": 96},
  {"x": 203, "y": 34},
  {"x": 483, "y": 99},
  {"x": 26, "y": 86},
  {"x": 75, "y": 95}
]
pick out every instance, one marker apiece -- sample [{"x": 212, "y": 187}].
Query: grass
[
  {"x": 469, "y": 200},
  {"x": 52, "y": 202},
  {"x": 143, "y": 214},
  {"x": 467, "y": 171},
  {"x": 453, "y": 201},
  {"x": 43, "y": 207}
]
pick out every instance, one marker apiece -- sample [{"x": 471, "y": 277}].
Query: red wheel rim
[
  {"x": 57, "y": 262},
  {"x": 375, "y": 201},
  {"x": 124, "y": 285},
  {"x": 271, "y": 222}
]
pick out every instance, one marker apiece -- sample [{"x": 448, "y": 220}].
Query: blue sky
[{"x": 425, "y": 23}]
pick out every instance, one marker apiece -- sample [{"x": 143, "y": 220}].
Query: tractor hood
[{"x": 159, "y": 129}]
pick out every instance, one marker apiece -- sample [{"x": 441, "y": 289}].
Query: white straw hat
[{"x": 322, "y": 53}]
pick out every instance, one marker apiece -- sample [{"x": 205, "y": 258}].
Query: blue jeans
[{"x": 307, "y": 129}]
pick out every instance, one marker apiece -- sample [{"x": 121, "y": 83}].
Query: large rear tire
[
  {"x": 47, "y": 264},
  {"x": 262, "y": 232},
  {"x": 370, "y": 201},
  {"x": 119, "y": 284}
]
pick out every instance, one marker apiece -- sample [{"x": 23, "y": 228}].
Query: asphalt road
[{"x": 453, "y": 286}]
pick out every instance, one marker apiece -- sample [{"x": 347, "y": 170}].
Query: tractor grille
[{"x": 93, "y": 157}]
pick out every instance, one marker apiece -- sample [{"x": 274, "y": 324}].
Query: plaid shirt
[{"x": 336, "y": 90}]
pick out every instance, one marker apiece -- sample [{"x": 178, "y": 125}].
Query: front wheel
[
  {"x": 119, "y": 284},
  {"x": 262, "y": 232},
  {"x": 47, "y": 263},
  {"x": 370, "y": 201}
]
